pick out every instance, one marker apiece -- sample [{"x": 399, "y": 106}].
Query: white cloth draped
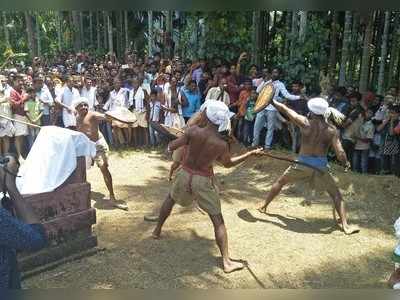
[{"x": 52, "y": 159}]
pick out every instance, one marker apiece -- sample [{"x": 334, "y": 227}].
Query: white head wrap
[
  {"x": 218, "y": 113},
  {"x": 79, "y": 101},
  {"x": 320, "y": 106}
]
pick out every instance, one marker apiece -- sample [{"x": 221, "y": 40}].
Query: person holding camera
[{"x": 20, "y": 227}]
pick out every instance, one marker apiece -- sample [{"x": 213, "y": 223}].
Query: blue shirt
[
  {"x": 16, "y": 236},
  {"x": 194, "y": 103}
]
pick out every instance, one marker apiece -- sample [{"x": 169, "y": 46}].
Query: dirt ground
[{"x": 293, "y": 247}]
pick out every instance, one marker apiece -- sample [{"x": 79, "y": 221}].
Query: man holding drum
[{"x": 268, "y": 115}]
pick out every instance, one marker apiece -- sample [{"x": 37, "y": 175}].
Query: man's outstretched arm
[
  {"x": 296, "y": 118},
  {"x": 339, "y": 151},
  {"x": 228, "y": 161}
]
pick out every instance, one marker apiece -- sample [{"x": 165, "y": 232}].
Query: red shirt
[{"x": 17, "y": 101}]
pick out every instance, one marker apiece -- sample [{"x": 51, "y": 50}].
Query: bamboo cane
[{"x": 19, "y": 121}]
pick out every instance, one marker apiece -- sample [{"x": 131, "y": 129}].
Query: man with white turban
[
  {"x": 194, "y": 181},
  {"x": 88, "y": 122},
  {"x": 317, "y": 136}
]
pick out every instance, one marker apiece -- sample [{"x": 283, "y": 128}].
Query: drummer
[
  {"x": 269, "y": 115},
  {"x": 87, "y": 122}
]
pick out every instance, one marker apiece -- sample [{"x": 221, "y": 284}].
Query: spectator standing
[
  {"x": 34, "y": 111},
  {"x": 362, "y": 144},
  {"x": 268, "y": 116},
  {"x": 190, "y": 100}
]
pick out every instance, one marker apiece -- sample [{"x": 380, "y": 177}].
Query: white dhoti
[
  {"x": 20, "y": 129},
  {"x": 69, "y": 119}
]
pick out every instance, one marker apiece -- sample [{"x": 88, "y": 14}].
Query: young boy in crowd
[
  {"x": 249, "y": 117},
  {"x": 154, "y": 116},
  {"x": 362, "y": 144},
  {"x": 34, "y": 111}
]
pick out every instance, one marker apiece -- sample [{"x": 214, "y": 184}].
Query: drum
[{"x": 264, "y": 98}]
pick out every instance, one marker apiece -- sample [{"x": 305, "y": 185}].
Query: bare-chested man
[
  {"x": 87, "y": 122},
  {"x": 317, "y": 136},
  {"x": 194, "y": 181}
]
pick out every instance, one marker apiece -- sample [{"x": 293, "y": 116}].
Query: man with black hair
[
  {"x": 269, "y": 116},
  {"x": 339, "y": 100}
]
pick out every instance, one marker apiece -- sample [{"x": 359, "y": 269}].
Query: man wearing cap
[
  {"x": 317, "y": 136},
  {"x": 88, "y": 122},
  {"x": 194, "y": 181}
]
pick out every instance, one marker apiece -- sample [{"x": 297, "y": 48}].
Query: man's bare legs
[
  {"x": 275, "y": 190},
  {"x": 108, "y": 181},
  {"x": 5, "y": 144},
  {"x": 339, "y": 207},
  {"x": 18, "y": 145},
  {"x": 221, "y": 238},
  {"x": 165, "y": 211}
]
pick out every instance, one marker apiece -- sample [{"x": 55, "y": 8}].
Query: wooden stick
[
  {"x": 293, "y": 161},
  {"x": 19, "y": 121}
]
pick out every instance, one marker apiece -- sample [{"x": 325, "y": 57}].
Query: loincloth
[
  {"x": 320, "y": 180},
  {"x": 102, "y": 149},
  {"x": 141, "y": 119},
  {"x": 189, "y": 186}
]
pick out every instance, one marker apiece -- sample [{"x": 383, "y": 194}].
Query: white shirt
[
  {"x": 90, "y": 94},
  {"x": 67, "y": 95},
  {"x": 155, "y": 111},
  {"x": 214, "y": 93},
  {"x": 280, "y": 89},
  {"x": 117, "y": 99},
  {"x": 46, "y": 98},
  {"x": 136, "y": 97}
]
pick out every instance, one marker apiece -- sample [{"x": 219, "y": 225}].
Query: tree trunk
[
  {"x": 345, "y": 49},
  {"x": 126, "y": 30},
  {"x": 394, "y": 48},
  {"x": 381, "y": 76},
  {"x": 110, "y": 32},
  {"x": 29, "y": 31},
  {"x": 303, "y": 26},
  {"x": 293, "y": 35},
  {"x": 37, "y": 35},
  {"x": 256, "y": 37},
  {"x": 98, "y": 30},
  {"x": 91, "y": 28},
  {"x": 377, "y": 40},
  {"x": 76, "y": 31},
  {"x": 150, "y": 33},
  {"x": 333, "y": 51},
  {"x": 287, "y": 35},
  {"x": 265, "y": 38},
  {"x": 168, "y": 34},
  {"x": 59, "y": 30},
  {"x": 6, "y": 32},
  {"x": 366, "y": 55},
  {"x": 81, "y": 29},
  {"x": 105, "y": 30},
  {"x": 354, "y": 49}
]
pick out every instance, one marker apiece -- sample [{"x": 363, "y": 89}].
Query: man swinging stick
[
  {"x": 317, "y": 136},
  {"x": 194, "y": 181},
  {"x": 87, "y": 122}
]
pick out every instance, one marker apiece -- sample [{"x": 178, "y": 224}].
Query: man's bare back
[
  {"x": 316, "y": 138},
  {"x": 204, "y": 147}
]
